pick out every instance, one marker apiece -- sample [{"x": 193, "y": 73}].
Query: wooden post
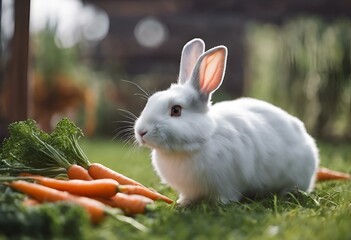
[{"x": 17, "y": 82}]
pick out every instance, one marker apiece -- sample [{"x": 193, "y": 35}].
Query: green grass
[{"x": 324, "y": 214}]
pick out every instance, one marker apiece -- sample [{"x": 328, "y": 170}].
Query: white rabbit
[{"x": 226, "y": 151}]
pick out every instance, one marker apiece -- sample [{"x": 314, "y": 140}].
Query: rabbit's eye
[{"x": 176, "y": 111}]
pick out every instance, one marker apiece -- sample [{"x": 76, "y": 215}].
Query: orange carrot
[
  {"x": 130, "y": 204},
  {"x": 78, "y": 172},
  {"x": 140, "y": 197},
  {"x": 95, "y": 209},
  {"x": 140, "y": 190},
  {"x": 94, "y": 188},
  {"x": 98, "y": 171},
  {"x": 324, "y": 174}
]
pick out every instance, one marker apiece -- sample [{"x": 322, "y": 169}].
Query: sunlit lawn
[{"x": 325, "y": 214}]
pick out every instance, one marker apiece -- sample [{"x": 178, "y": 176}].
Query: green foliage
[
  {"x": 45, "y": 221},
  {"x": 304, "y": 67},
  {"x": 26, "y": 149},
  {"x": 65, "y": 137},
  {"x": 29, "y": 149}
]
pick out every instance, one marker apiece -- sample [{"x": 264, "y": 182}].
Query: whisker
[
  {"x": 127, "y": 114},
  {"x": 131, "y": 148},
  {"x": 125, "y": 141},
  {"x": 124, "y": 133},
  {"x": 142, "y": 96},
  {"x": 130, "y": 118},
  {"x": 129, "y": 141},
  {"x": 124, "y": 128},
  {"x": 135, "y": 145},
  {"x": 147, "y": 94},
  {"x": 125, "y": 121}
]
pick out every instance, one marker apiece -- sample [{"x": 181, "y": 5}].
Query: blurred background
[{"x": 69, "y": 57}]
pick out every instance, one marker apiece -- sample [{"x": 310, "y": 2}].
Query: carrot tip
[{"x": 325, "y": 174}]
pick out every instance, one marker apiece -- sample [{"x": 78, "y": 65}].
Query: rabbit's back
[
  {"x": 261, "y": 117},
  {"x": 271, "y": 148}
]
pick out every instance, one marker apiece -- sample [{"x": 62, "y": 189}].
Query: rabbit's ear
[
  {"x": 190, "y": 54},
  {"x": 209, "y": 71}
]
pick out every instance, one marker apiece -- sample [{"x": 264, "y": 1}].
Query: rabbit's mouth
[
  {"x": 141, "y": 140},
  {"x": 168, "y": 143},
  {"x": 140, "y": 136},
  {"x": 144, "y": 138}
]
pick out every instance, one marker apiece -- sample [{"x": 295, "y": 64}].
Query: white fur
[{"x": 225, "y": 151}]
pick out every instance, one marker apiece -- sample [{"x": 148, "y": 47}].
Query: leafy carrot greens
[
  {"x": 65, "y": 137},
  {"x": 29, "y": 149}
]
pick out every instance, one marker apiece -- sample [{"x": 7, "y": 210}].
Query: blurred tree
[
  {"x": 49, "y": 58},
  {"x": 61, "y": 85},
  {"x": 304, "y": 66}
]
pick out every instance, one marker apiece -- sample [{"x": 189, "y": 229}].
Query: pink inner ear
[{"x": 211, "y": 71}]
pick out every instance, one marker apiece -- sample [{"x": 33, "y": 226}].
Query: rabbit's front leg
[{"x": 184, "y": 200}]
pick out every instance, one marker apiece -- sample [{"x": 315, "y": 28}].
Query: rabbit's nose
[{"x": 142, "y": 133}]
